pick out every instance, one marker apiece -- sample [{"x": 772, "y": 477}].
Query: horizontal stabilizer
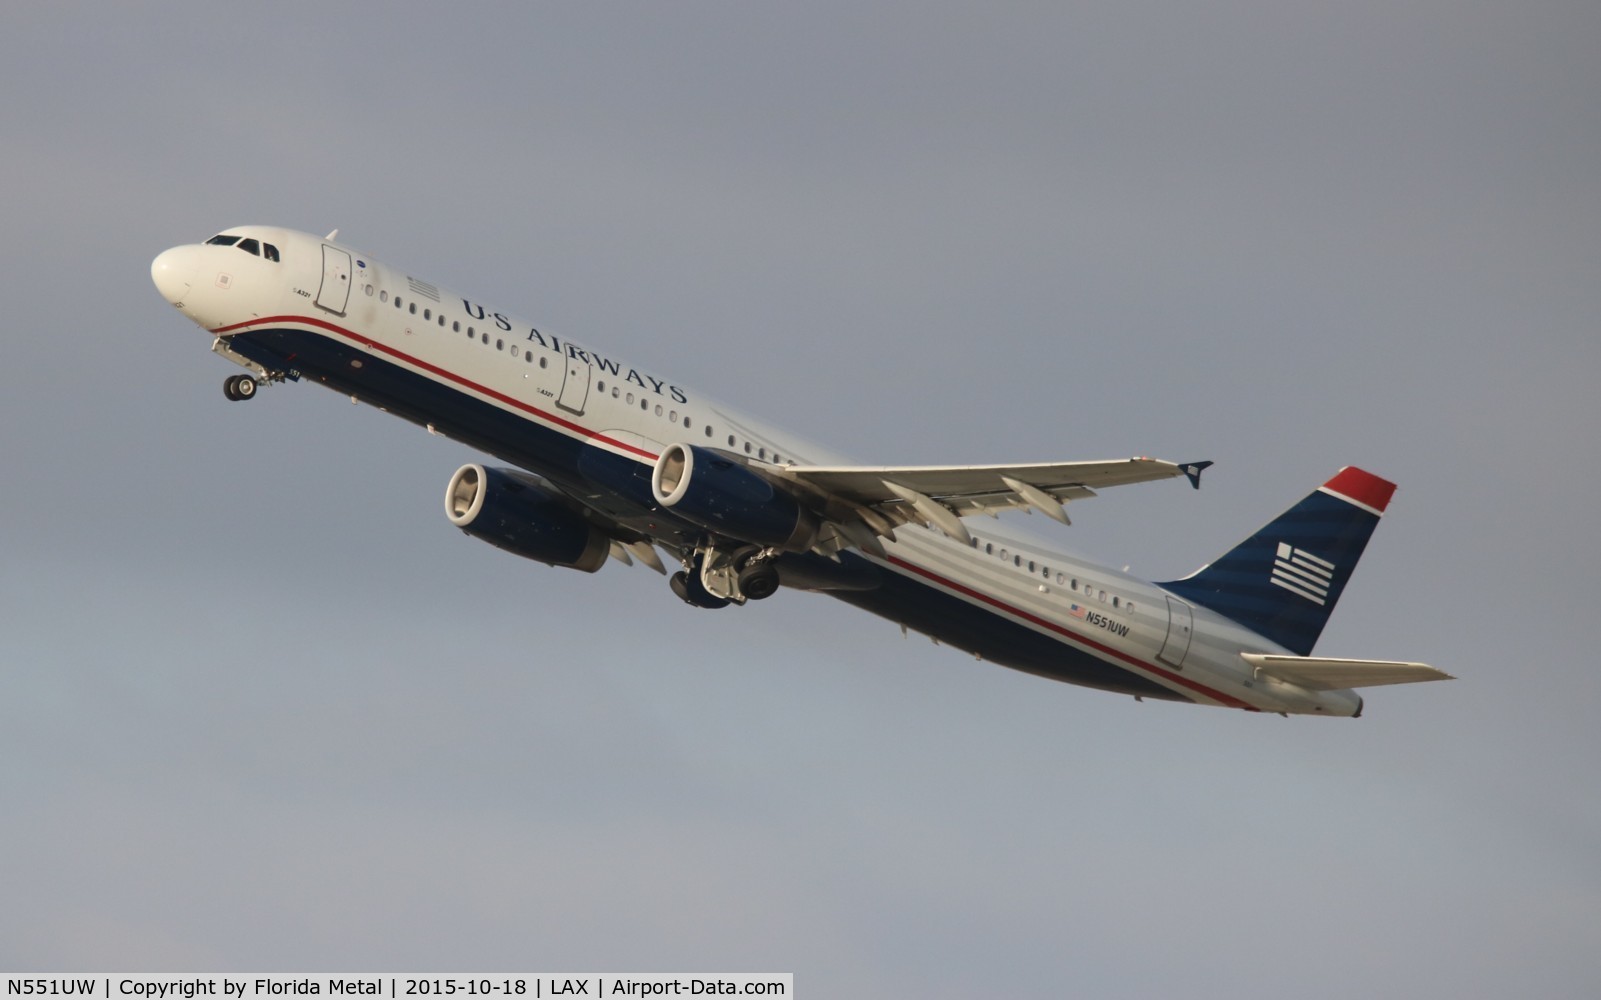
[{"x": 1321, "y": 673}]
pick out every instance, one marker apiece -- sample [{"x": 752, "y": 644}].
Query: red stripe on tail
[{"x": 1363, "y": 487}]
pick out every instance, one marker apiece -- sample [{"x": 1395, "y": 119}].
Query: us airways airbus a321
[{"x": 609, "y": 460}]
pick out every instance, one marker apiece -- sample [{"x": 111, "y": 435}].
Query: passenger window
[
  {"x": 413, "y": 307},
  {"x": 708, "y": 430},
  {"x": 687, "y": 424},
  {"x": 383, "y": 296},
  {"x": 500, "y": 345},
  {"x": 455, "y": 326},
  {"x": 747, "y": 447},
  {"x": 441, "y": 319},
  {"x": 271, "y": 253},
  {"x": 514, "y": 351},
  {"x": 427, "y": 314},
  {"x": 397, "y": 302},
  {"x": 250, "y": 246}
]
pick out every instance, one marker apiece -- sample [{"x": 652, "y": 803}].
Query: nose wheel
[{"x": 240, "y": 387}]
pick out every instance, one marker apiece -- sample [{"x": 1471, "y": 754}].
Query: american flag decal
[
  {"x": 422, "y": 288},
  {"x": 1302, "y": 573}
]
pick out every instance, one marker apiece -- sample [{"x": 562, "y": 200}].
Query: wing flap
[
  {"x": 1320, "y": 673},
  {"x": 956, "y": 483},
  {"x": 858, "y": 499}
]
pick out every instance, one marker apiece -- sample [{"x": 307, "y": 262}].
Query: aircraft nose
[{"x": 174, "y": 272}]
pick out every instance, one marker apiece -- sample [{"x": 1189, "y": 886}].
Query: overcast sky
[{"x": 264, "y": 710}]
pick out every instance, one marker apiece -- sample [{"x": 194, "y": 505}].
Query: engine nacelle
[
  {"x": 512, "y": 511},
  {"x": 721, "y": 494}
]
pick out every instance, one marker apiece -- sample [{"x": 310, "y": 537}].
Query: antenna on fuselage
[{"x": 332, "y": 235}]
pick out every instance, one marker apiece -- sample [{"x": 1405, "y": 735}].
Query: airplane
[{"x": 612, "y": 461}]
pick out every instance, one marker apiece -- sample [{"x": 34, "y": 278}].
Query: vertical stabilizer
[{"x": 1284, "y": 581}]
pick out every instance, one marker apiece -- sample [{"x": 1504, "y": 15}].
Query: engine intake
[
  {"x": 723, "y": 495},
  {"x": 510, "y": 510}
]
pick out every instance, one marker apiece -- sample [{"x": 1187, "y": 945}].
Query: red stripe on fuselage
[
  {"x": 1201, "y": 689},
  {"x": 373, "y": 345}
]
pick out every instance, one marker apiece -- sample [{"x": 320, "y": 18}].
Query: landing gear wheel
[
  {"x": 690, "y": 591},
  {"x": 239, "y": 387},
  {"x": 758, "y": 581}
]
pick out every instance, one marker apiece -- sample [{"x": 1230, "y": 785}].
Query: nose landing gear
[{"x": 240, "y": 387}]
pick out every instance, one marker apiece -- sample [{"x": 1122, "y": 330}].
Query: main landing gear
[
  {"x": 758, "y": 581},
  {"x": 686, "y": 584},
  {"x": 715, "y": 578}
]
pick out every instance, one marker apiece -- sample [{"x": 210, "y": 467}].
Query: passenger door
[
  {"x": 575, "y": 386},
  {"x": 334, "y": 294},
  {"x": 1180, "y": 627}
]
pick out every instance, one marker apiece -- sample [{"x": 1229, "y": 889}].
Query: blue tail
[{"x": 1284, "y": 581}]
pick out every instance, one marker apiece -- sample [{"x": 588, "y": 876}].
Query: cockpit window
[{"x": 246, "y": 244}]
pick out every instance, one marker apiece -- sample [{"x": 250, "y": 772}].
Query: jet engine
[
  {"x": 511, "y": 510},
  {"x": 723, "y": 495}
]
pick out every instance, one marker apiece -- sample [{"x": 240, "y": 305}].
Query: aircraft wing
[
  {"x": 878, "y": 498},
  {"x": 1319, "y": 673}
]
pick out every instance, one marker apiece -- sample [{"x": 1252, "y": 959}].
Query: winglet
[{"x": 1193, "y": 470}]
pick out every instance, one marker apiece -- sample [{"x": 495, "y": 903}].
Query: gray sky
[{"x": 264, "y": 710}]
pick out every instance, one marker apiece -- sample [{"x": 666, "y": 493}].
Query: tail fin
[{"x": 1283, "y": 581}]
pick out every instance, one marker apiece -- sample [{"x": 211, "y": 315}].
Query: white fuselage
[{"x": 467, "y": 369}]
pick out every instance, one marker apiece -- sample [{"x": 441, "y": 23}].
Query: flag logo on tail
[{"x": 1302, "y": 573}]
